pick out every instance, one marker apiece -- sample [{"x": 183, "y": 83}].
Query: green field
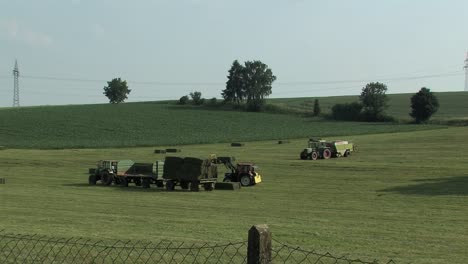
[
  {"x": 452, "y": 105},
  {"x": 153, "y": 124},
  {"x": 402, "y": 196}
]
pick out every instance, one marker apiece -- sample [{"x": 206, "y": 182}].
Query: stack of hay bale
[{"x": 188, "y": 169}]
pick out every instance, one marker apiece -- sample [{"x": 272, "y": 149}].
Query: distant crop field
[
  {"x": 453, "y": 105},
  {"x": 153, "y": 124},
  {"x": 401, "y": 196}
]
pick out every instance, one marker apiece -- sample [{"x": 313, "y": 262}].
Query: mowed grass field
[
  {"x": 402, "y": 196},
  {"x": 156, "y": 124}
]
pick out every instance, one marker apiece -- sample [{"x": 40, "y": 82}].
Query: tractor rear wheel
[
  {"x": 314, "y": 155},
  {"x": 106, "y": 178},
  {"x": 326, "y": 153},
  {"x": 245, "y": 180},
  {"x": 92, "y": 179}
]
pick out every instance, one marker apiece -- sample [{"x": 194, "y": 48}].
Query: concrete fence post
[{"x": 259, "y": 245}]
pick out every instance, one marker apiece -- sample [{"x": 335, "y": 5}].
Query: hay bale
[
  {"x": 159, "y": 151},
  {"x": 283, "y": 141},
  {"x": 237, "y": 144},
  {"x": 191, "y": 170},
  {"x": 172, "y": 165},
  {"x": 228, "y": 186},
  {"x": 173, "y": 150}
]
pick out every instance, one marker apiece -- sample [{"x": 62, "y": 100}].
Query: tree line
[{"x": 250, "y": 83}]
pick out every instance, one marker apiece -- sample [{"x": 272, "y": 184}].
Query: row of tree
[
  {"x": 251, "y": 83},
  {"x": 373, "y": 102}
]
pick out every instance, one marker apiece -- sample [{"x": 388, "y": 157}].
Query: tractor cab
[{"x": 107, "y": 165}]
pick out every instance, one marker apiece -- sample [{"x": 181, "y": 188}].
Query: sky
[{"x": 68, "y": 49}]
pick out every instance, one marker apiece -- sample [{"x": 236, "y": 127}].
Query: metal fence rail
[{"x": 17, "y": 248}]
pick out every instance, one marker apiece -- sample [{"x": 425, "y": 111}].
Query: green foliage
[
  {"x": 374, "y": 101},
  {"x": 317, "y": 109},
  {"x": 396, "y": 187},
  {"x": 423, "y": 104},
  {"x": 347, "y": 111},
  {"x": 213, "y": 101},
  {"x": 251, "y": 82},
  {"x": 235, "y": 90},
  {"x": 143, "y": 124},
  {"x": 116, "y": 90},
  {"x": 197, "y": 98},
  {"x": 184, "y": 100}
]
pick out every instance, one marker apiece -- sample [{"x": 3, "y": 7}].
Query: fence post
[{"x": 259, "y": 247}]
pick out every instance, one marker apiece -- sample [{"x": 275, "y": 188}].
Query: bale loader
[
  {"x": 123, "y": 172},
  {"x": 322, "y": 149},
  {"x": 243, "y": 172}
]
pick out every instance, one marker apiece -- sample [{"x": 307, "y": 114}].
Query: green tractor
[{"x": 322, "y": 149}]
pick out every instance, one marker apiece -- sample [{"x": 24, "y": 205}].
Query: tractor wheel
[
  {"x": 326, "y": 153},
  {"x": 106, "y": 178},
  {"x": 184, "y": 185},
  {"x": 303, "y": 155},
  {"x": 314, "y": 155},
  {"x": 194, "y": 186},
  {"x": 92, "y": 179},
  {"x": 170, "y": 186},
  {"x": 123, "y": 182},
  {"x": 208, "y": 186},
  {"x": 146, "y": 183},
  {"x": 246, "y": 180},
  {"x": 137, "y": 181}
]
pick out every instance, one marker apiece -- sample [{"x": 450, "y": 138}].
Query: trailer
[
  {"x": 189, "y": 173},
  {"x": 123, "y": 172}
]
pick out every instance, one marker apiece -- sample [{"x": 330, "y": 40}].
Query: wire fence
[{"x": 17, "y": 248}]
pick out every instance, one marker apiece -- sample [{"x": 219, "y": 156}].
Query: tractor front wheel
[
  {"x": 92, "y": 179},
  {"x": 246, "y": 180},
  {"x": 314, "y": 155},
  {"x": 106, "y": 178}
]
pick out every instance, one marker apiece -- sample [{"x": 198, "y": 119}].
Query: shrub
[{"x": 347, "y": 112}]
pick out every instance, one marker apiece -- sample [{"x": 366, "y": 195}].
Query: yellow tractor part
[{"x": 257, "y": 178}]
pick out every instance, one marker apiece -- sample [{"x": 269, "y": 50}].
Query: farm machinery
[
  {"x": 243, "y": 172},
  {"x": 188, "y": 173},
  {"x": 322, "y": 149},
  {"x": 123, "y": 172}
]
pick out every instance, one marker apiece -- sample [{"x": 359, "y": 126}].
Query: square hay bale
[
  {"x": 159, "y": 151},
  {"x": 236, "y": 144},
  {"x": 173, "y": 150},
  {"x": 283, "y": 141},
  {"x": 228, "y": 186},
  {"x": 172, "y": 166}
]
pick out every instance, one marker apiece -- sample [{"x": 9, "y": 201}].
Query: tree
[
  {"x": 423, "y": 104},
  {"x": 234, "y": 91},
  {"x": 116, "y": 90},
  {"x": 374, "y": 101},
  {"x": 196, "y": 98},
  {"x": 184, "y": 100},
  {"x": 347, "y": 111},
  {"x": 257, "y": 80},
  {"x": 316, "y": 108}
]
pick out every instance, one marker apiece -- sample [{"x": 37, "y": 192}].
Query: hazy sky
[{"x": 67, "y": 49}]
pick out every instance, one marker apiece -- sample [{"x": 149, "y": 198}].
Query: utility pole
[
  {"x": 466, "y": 73},
  {"x": 16, "y": 85}
]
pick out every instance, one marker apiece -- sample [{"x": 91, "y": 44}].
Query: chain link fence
[{"x": 17, "y": 248}]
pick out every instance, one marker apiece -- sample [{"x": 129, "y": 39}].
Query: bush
[
  {"x": 196, "y": 98},
  {"x": 347, "y": 112}
]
